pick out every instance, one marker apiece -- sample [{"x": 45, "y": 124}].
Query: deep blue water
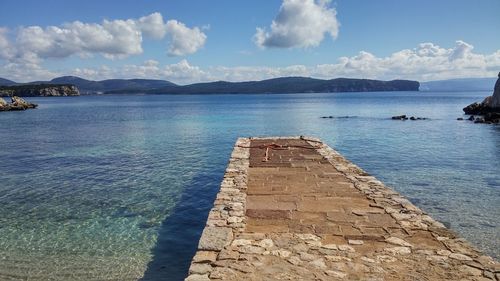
[{"x": 119, "y": 187}]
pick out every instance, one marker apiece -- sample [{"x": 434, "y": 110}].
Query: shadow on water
[{"x": 179, "y": 233}]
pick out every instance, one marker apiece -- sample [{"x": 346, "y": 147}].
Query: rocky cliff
[
  {"x": 489, "y": 108},
  {"x": 40, "y": 90},
  {"x": 494, "y": 100},
  {"x": 489, "y": 104}
]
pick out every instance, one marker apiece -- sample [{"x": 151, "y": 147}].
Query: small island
[{"x": 489, "y": 109}]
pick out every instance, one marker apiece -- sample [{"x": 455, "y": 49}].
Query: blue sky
[{"x": 190, "y": 41}]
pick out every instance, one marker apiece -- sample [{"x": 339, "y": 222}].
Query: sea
[{"x": 119, "y": 187}]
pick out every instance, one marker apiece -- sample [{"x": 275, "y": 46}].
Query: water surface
[{"x": 119, "y": 187}]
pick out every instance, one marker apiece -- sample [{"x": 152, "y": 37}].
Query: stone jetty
[{"x": 294, "y": 209}]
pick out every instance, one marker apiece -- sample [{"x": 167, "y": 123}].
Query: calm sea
[{"x": 119, "y": 187}]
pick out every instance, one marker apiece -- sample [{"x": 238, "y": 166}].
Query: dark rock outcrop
[
  {"x": 489, "y": 109},
  {"x": 404, "y": 117},
  {"x": 490, "y": 104},
  {"x": 39, "y": 90},
  {"x": 399, "y": 117},
  {"x": 17, "y": 103}
]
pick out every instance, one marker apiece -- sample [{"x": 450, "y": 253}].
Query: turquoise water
[{"x": 119, "y": 187}]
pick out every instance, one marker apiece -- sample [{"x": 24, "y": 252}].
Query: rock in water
[
  {"x": 489, "y": 104},
  {"x": 17, "y": 103},
  {"x": 474, "y": 108},
  {"x": 399, "y": 117},
  {"x": 3, "y": 104}
]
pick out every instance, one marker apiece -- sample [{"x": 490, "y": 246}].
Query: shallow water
[{"x": 119, "y": 187}]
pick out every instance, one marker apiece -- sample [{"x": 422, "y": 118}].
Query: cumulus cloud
[
  {"x": 184, "y": 40},
  {"x": 111, "y": 39},
  {"x": 4, "y": 43},
  {"x": 181, "y": 72},
  {"x": 299, "y": 23},
  {"x": 153, "y": 26},
  {"x": 425, "y": 62},
  {"x": 117, "y": 38}
]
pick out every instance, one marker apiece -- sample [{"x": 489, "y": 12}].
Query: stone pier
[{"x": 294, "y": 209}]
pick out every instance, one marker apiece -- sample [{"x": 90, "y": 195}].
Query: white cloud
[
  {"x": 111, "y": 39},
  {"x": 5, "y": 47},
  {"x": 299, "y": 23},
  {"x": 426, "y": 62},
  {"x": 117, "y": 38},
  {"x": 181, "y": 72},
  {"x": 153, "y": 26},
  {"x": 184, "y": 40}
]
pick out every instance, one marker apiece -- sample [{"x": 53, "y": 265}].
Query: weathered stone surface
[
  {"x": 197, "y": 277},
  {"x": 330, "y": 247},
  {"x": 398, "y": 241},
  {"x": 307, "y": 257},
  {"x": 200, "y": 268},
  {"x": 215, "y": 238},
  {"x": 241, "y": 242},
  {"x": 228, "y": 255},
  {"x": 281, "y": 253},
  {"x": 346, "y": 248},
  {"x": 469, "y": 270},
  {"x": 398, "y": 250},
  {"x": 336, "y": 274},
  {"x": 318, "y": 263},
  {"x": 266, "y": 243},
  {"x": 460, "y": 257},
  {"x": 340, "y": 223},
  {"x": 205, "y": 257}
]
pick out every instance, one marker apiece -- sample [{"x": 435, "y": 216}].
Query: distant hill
[
  {"x": 459, "y": 85},
  {"x": 133, "y": 85},
  {"x": 6, "y": 82},
  {"x": 276, "y": 85},
  {"x": 291, "y": 85}
]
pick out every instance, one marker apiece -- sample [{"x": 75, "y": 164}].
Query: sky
[{"x": 193, "y": 41}]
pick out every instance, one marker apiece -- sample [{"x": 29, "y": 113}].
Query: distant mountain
[
  {"x": 276, "y": 86},
  {"x": 6, "y": 82},
  {"x": 290, "y": 85},
  {"x": 115, "y": 85},
  {"x": 459, "y": 85}
]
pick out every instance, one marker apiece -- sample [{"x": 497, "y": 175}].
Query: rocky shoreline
[
  {"x": 16, "y": 104},
  {"x": 488, "y": 110},
  {"x": 39, "y": 90}
]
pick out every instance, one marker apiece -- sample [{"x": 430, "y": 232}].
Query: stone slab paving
[{"x": 294, "y": 209}]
